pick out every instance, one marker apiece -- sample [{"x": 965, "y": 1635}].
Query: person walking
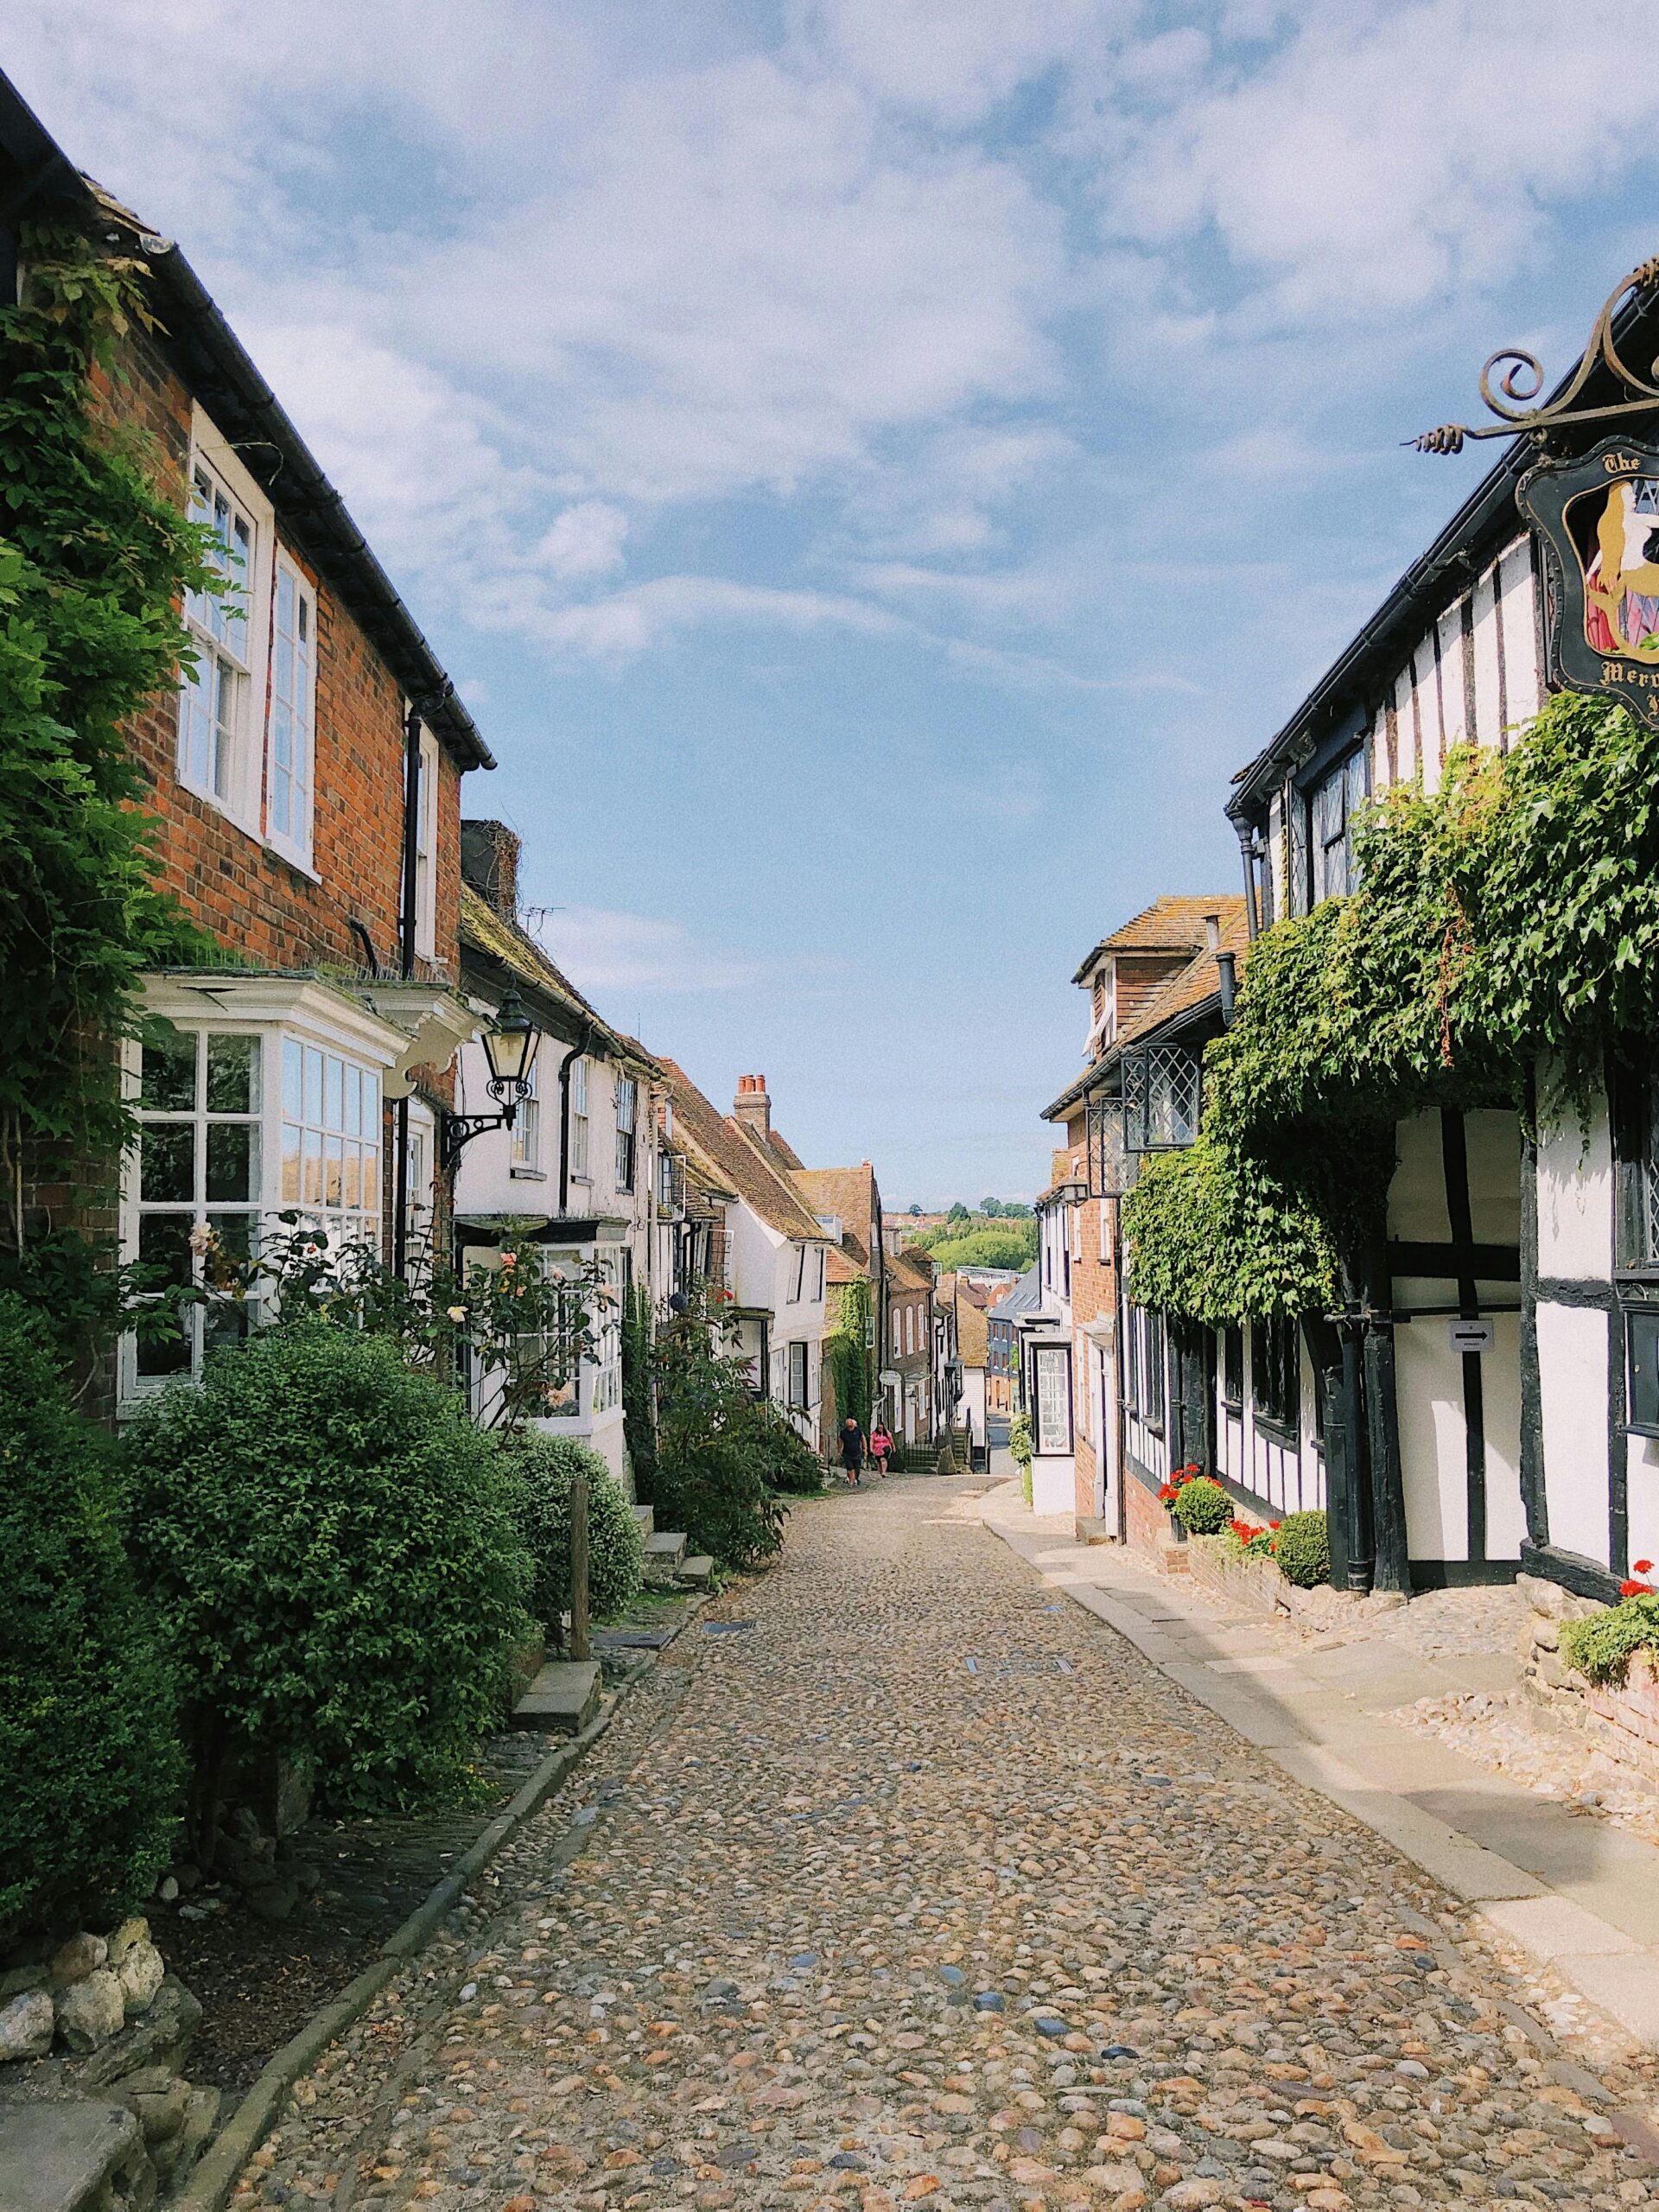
[
  {"x": 852, "y": 1452},
  {"x": 881, "y": 1448}
]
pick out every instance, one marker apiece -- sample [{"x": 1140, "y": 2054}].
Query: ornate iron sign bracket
[{"x": 1521, "y": 379}]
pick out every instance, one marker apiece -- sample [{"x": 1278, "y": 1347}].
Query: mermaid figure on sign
[{"x": 1621, "y": 586}]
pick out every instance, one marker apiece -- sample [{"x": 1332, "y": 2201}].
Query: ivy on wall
[
  {"x": 1508, "y": 920},
  {"x": 847, "y": 1354},
  {"x": 94, "y": 562}
]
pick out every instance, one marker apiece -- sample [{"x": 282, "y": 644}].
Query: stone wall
[{"x": 1621, "y": 1719}]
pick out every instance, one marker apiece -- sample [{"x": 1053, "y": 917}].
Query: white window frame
[
  {"x": 294, "y": 843},
  {"x": 274, "y": 1012},
  {"x": 798, "y": 1345},
  {"x": 526, "y": 1145},
  {"x": 426, "y": 850},
  {"x": 626, "y": 1099},
  {"x": 604, "y": 1384},
  {"x": 579, "y": 1130},
  {"x": 240, "y": 799}
]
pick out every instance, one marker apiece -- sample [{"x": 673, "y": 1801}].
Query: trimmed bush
[
  {"x": 91, "y": 1771},
  {"x": 1302, "y": 1547},
  {"x": 1602, "y": 1645},
  {"x": 334, "y": 1549},
  {"x": 1201, "y": 1506},
  {"x": 709, "y": 1481},
  {"x": 545, "y": 1466},
  {"x": 787, "y": 1464}
]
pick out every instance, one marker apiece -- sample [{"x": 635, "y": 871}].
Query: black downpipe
[
  {"x": 1227, "y": 970},
  {"x": 406, "y": 969},
  {"x": 1247, "y": 854}
]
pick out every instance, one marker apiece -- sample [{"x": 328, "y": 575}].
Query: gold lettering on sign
[{"x": 1620, "y": 464}]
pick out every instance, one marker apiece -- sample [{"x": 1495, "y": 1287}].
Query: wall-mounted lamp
[{"x": 510, "y": 1047}]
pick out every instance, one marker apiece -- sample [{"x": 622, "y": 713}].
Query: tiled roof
[
  {"x": 840, "y": 1267},
  {"x": 737, "y": 1158},
  {"x": 1173, "y": 923},
  {"x": 484, "y": 931},
  {"x": 1026, "y": 1296},
  {"x": 909, "y": 1270},
  {"x": 1188, "y": 988},
  {"x": 785, "y": 1151},
  {"x": 973, "y": 1338},
  {"x": 848, "y": 1193}
]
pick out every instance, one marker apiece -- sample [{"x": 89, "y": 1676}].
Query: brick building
[{"x": 306, "y": 782}]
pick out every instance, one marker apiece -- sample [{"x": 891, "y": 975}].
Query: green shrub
[
  {"x": 1602, "y": 1644},
  {"x": 1201, "y": 1506},
  {"x": 1302, "y": 1547},
  {"x": 710, "y": 1480},
  {"x": 1019, "y": 1451},
  {"x": 544, "y": 1465},
  {"x": 333, "y": 1549},
  {"x": 91, "y": 1771},
  {"x": 787, "y": 1463}
]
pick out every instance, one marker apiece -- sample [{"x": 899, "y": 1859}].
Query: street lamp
[{"x": 510, "y": 1047}]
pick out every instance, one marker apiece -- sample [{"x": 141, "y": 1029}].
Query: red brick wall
[
  {"x": 254, "y": 902},
  {"x": 1140, "y": 975}
]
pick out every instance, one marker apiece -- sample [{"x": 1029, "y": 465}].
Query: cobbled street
[{"x": 902, "y": 1880}]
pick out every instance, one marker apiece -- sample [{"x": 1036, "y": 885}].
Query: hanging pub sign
[{"x": 1598, "y": 516}]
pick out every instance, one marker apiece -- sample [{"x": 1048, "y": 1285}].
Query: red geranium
[{"x": 1635, "y": 1589}]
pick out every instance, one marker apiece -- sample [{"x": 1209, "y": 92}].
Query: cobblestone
[{"x": 851, "y": 1925}]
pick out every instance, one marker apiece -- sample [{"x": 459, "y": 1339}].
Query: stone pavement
[
  {"x": 1576, "y": 1892},
  {"x": 900, "y": 1880}
]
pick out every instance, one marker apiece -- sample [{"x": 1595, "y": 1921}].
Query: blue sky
[{"x": 875, "y": 469}]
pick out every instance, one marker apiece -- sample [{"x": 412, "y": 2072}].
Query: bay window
[{"x": 331, "y": 1141}]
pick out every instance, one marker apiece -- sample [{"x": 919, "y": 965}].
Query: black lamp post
[{"x": 510, "y": 1047}]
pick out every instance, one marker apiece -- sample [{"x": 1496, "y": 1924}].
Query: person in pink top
[{"x": 881, "y": 1446}]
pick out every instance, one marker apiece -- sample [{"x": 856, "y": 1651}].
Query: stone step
[
  {"x": 72, "y": 2157},
  {"x": 698, "y": 1571},
  {"x": 562, "y": 1698},
  {"x": 664, "y": 1555},
  {"x": 647, "y": 1516}
]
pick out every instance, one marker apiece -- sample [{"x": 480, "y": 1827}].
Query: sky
[{"x": 875, "y": 469}]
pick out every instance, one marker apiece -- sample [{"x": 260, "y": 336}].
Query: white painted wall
[
  {"x": 1573, "y": 1388},
  {"x": 1641, "y": 1487},
  {"x": 1575, "y": 1196}
]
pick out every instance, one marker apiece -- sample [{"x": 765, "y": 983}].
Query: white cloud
[
  {"x": 604, "y": 948},
  {"x": 585, "y": 541}
]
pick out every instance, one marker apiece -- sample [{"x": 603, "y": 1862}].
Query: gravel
[{"x": 728, "y": 1988}]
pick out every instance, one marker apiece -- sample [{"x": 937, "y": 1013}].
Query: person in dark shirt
[{"x": 852, "y": 1451}]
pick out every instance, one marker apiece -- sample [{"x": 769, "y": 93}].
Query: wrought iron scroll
[{"x": 1520, "y": 378}]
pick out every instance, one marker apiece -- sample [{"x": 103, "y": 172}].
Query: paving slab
[
  {"x": 1555, "y": 1927},
  {"x": 562, "y": 1698},
  {"x": 65, "y": 2157}
]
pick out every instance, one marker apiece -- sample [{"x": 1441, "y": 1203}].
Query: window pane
[
  {"x": 353, "y": 1186},
  {"x": 225, "y": 1322},
  {"x": 354, "y": 1121},
  {"x": 333, "y": 1164},
  {"x": 372, "y": 1180},
  {"x": 370, "y": 1104},
  {"x": 1641, "y": 1335},
  {"x": 167, "y": 1162},
  {"x": 313, "y": 1102},
  {"x": 169, "y": 1357},
  {"x": 237, "y": 1235},
  {"x": 164, "y": 1243},
  {"x": 291, "y": 1057},
  {"x": 168, "y": 1081},
  {"x": 232, "y": 1161},
  {"x": 312, "y": 1188},
  {"x": 334, "y": 1104},
  {"x": 232, "y": 1075},
  {"x": 290, "y": 1186}
]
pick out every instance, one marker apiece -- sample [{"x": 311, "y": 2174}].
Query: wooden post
[{"x": 579, "y": 1639}]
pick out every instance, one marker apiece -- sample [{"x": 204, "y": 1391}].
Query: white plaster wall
[
  {"x": 1641, "y": 1491},
  {"x": 1523, "y": 679},
  {"x": 1417, "y": 1194},
  {"x": 1489, "y": 720},
  {"x": 1053, "y": 1484},
  {"x": 1500, "y": 1378},
  {"x": 1492, "y": 1146},
  {"x": 1433, "y": 1439},
  {"x": 1573, "y": 1388},
  {"x": 755, "y": 1271},
  {"x": 1575, "y": 1197},
  {"x": 1454, "y": 719}
]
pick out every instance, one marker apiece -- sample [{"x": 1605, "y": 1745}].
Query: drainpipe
[
  {"x": 1247, "y": 854},
  {"x": 1227, "y": 970},
  {"x": 406, "y": 969},
  {"x": 581, "y": 1046}
]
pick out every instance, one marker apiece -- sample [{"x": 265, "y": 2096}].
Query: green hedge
[
  {"x": 1202, "y": 1507},
  {"x": 334, "y": 1549},
  {"x": 1301, "y": 1546},
  {"x": 545, "y": 1466},
  {"x": 91, "y": 1773}
]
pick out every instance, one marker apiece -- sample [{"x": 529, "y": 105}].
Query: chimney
[
  {"x": 1212, "y": 932},
  {"x": 752, "y": 1107},
  {"x": 489, "y": 862}
]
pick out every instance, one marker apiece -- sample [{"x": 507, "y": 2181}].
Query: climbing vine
[
  {"x": 1508, "y": 920},
  {"x": 847, "y": 1354},
  {"x": 94, "y": 562}
]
